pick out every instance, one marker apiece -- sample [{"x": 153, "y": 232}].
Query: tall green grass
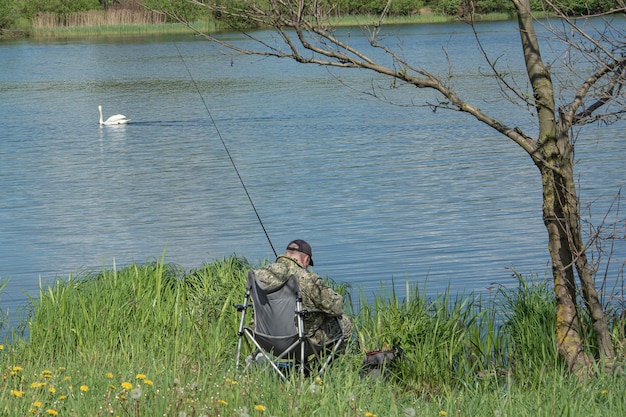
[{"x": 154, "y": 339}]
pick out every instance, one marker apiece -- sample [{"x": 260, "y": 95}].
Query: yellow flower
[
  {"x": 37, "y": 384},
  {"x": 111, "y": 386},
  {"x": 109, "y": 375},
  {"x": 84, "y": 388},
  {"x": 127, "y": 385},
  {"x": 222, "y": 402},
  {"x": 52, "y": 412},
  {"x": 259, "y": 407},
  {"x": 17, "y": 393},
  {"x": 318, "y": 379},
  {"x": 368, "y": 414},
  {"x": 604, "y": 392},
  {"x": 148, "y": 382},
  {"x": 52, "y": 390},
  {"x": 1, "y": 347},
  {"x": 62, "y": 397},
  {"x": 17, "y": 369},
  {"x": 37, "y": 404},
  {"x": 443, "y": 413},
  {"x": 141, "y": 376}
]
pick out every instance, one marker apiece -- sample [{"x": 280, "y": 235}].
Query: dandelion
[
  {"x": 17, "y": 369},
  {"x": 141, "y": 376},
  {"x": 242, "y": 412},
  {"x": 62, "y": 397},
  {"x": 135, "y": 394},
  {"x": 109, "y": 375},
  {"x": 52, "y": 390},
  {"x": 111, "y": 387},
  {"x": 222, "y": 402},
  {"x": 47, "y": 373},
  {"x": 1, "y": 347},
  {"x": 148, "y": 382},
  {"x": 260, "y": 407},
  {"x": 604, "y": 392},
  {"x": 84, "y": 388},
  {"x": 17, "y": 393},
  {"x": 37, "y": 384},
  {"x": 318, "y": 380},
  {"x": 368, "y": 414},
  {"x": 127, "y": 385},
  {"x": 443, "y": 413},
  {"x": 52, "y": 412},
  {"x": 37, "y": 404}
]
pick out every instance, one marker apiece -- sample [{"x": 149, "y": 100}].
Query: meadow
[{"x": 152, "y": 339}]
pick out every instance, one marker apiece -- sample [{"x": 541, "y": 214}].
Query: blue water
[{"x": 381, "y": 192}]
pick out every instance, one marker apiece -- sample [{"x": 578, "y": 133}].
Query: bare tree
[{"x": 597, "y": 96}]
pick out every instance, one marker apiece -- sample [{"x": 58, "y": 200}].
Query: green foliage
[
  {"x": 494, "y": 6},
  {"x": 448, "y": 7},
  {"x": 215, "y": 287},
  {"x": 444, "y": 340},
  {"x": 8, "y": 14},
  {"x": 530, "y": 323},
  {"x": 59, "y": 7},
  {"x": 180, "y": 9}
]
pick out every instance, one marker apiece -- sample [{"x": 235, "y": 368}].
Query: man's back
[{"x": 316, "y": 295}]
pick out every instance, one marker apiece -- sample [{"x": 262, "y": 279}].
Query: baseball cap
[{"x": 300, "y": 245}]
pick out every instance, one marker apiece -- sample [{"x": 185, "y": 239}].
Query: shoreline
[{"x": 215, "y": 27}]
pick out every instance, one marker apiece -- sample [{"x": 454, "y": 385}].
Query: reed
[{"x": 111, "y": 17}]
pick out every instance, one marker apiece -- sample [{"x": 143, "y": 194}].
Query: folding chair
[{"x": 278, "y": 334}]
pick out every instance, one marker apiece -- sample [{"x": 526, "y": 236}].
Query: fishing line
[{"x": 232, "y": 161}]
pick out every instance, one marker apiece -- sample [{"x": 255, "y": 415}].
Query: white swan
[{"x": 118, "y": 119}]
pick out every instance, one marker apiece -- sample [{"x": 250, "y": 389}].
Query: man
[{"x": 314, "y": 291}]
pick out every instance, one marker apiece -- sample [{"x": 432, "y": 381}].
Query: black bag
[{"x": 378, "y": 362}]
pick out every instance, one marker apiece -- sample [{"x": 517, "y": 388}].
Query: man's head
[{"x": 302, "y": 250}]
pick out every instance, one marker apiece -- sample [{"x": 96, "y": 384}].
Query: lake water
[{"x": 381, "y": 192}]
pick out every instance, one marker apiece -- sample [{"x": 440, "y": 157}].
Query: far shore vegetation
[
  {"x": 156, "y": 340},
  {"x": 48, "y": 26},
  {"x": 46, "y": 18}
]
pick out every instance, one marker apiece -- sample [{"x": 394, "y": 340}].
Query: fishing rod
[{"x": 232, "y": 161}]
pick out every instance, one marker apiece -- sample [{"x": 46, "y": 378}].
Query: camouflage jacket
[{"x": 315, "y": 295}]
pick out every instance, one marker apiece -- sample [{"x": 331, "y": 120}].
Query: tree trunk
[
  {"x": 555, "y": 217},
  {"x": 577, "y": 249},
  {"x": 552, "y": 154}
]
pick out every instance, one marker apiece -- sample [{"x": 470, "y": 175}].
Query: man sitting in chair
[{"x": 321, "y": 326}]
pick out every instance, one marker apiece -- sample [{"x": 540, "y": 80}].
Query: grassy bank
[
  {"x": 98, "y": 27},
  {"x": 152, "y": 339}
]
